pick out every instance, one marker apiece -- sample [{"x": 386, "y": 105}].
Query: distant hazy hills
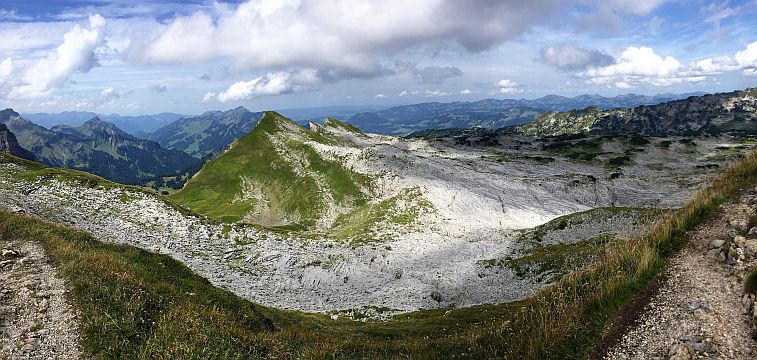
[
  {"x": 491, "y": 113},
  {"x": 138, "y": 126},
  {"x": 97, "y": 147}
]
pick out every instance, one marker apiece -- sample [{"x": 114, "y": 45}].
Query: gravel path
[
  {"x": 36, "y": 319},
  {"x": 699, "y": 309}
]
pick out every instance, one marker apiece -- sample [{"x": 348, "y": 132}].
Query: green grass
[
  {"x": 555, "y": 260},
  {"x": 399, "y": 212},
  {"x": 282, "y": 194}
]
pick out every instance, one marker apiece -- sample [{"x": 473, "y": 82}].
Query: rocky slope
[
  {"x": 441, "y": 224},
  {"x": 202, "y": 134},
  {"x": 9, "y": 145},
  {"x": 97, "y": 147},
  {"x": 713, "y": 114},
  {"x": 700, "y": 308}
]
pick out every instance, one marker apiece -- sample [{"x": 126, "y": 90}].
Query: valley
[{"x": 429, "y": 223}]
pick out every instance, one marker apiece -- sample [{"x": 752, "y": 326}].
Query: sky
[{"x": 140, "y": 57}]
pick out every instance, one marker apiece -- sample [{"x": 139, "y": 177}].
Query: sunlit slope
[{"x": 272, "y": 176}]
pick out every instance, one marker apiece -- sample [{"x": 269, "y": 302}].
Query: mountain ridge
[
  {"x": 98, "y": 147},
  {"x": 712, "y": 113}
]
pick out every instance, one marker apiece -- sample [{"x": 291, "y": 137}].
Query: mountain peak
[
  {"x": 95, "y": 126},
  {"x": 7, "y": 114}
]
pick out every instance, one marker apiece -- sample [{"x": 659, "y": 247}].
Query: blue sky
[{"x": 134, "y": 57}]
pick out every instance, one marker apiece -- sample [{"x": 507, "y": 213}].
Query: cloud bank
[{"x": 76, "y": 53}]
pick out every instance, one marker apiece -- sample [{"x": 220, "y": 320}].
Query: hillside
[
  {"x": 132, "y": 284},
  {"x": 97, "y": 147},
  {"x": 9, "y": 145},
  {"x": 273, "y": 176},
  {"x": 490, "y": 113},
  {"x": 200, "y": 135},
  {"x": 713, "y": 114}
]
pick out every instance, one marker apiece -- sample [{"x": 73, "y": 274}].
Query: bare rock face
[{"x": 9, "y": 145}]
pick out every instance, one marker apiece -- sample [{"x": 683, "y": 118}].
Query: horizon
[
  {"x": 131, "y": 57},
  {"x": 361, "y": 105}
]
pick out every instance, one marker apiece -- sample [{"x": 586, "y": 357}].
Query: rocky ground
[
  {"x": 699, "y": 310},
  {"x": 36, "y": 319},
  {"x": 481, "y": 198}
]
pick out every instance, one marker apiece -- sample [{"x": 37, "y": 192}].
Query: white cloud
[
  {"x": 435, "y": 93},
  {"x": 209, "y": 96},
  {"x": 6, "y": 68},
  {"x": 380, "y": 96},
  {"x": 466, "y": 92},
  {"x": 404, "y": 93},
  {"x": 508, "y": 87},
  {"x": 641, "y": 61},
  {"x": 76, "y": 53},
  {"x": 271, "y": 84},
  {"x": 107, "y": 97},
  {"x": 109, "y": 93},
  {"x": 641, "y": 66},
  {"x": 339, "y": 38},
  {"x": 744, "y": 60}
]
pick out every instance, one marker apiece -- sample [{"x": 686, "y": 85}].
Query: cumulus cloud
[
  {"x": 744, "y": 60},
  {"x": 437, "y": 74},
  {"x": 508, "y": 87},
  {"x": 107, "y": 97},
  {"x": 76, "y": 53},
  {"x": 640, "y": 65},
  {"x": 339, "y": 38},
  {"x": 271, "y": 84},
  {"x": 435, "y": 93},
  {"x": 569, "y": 57},
  {"x": 380, "y": 96},
  {"x": 466, "y": 92}
]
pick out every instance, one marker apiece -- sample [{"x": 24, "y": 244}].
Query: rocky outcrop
[
  {"x": 9, "y": 145},
  {"x": 734, "y": 112}
]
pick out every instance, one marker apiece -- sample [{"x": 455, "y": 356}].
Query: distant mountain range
[
  {"x": 491, "y": 113},
  {"x": 201, "y": 135},
  {"x": 734, "y": 112},
  {"x": 138, "y": 126},
  {"x": 175, "y": 149},
  {"x": 97, "y": 147}
]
